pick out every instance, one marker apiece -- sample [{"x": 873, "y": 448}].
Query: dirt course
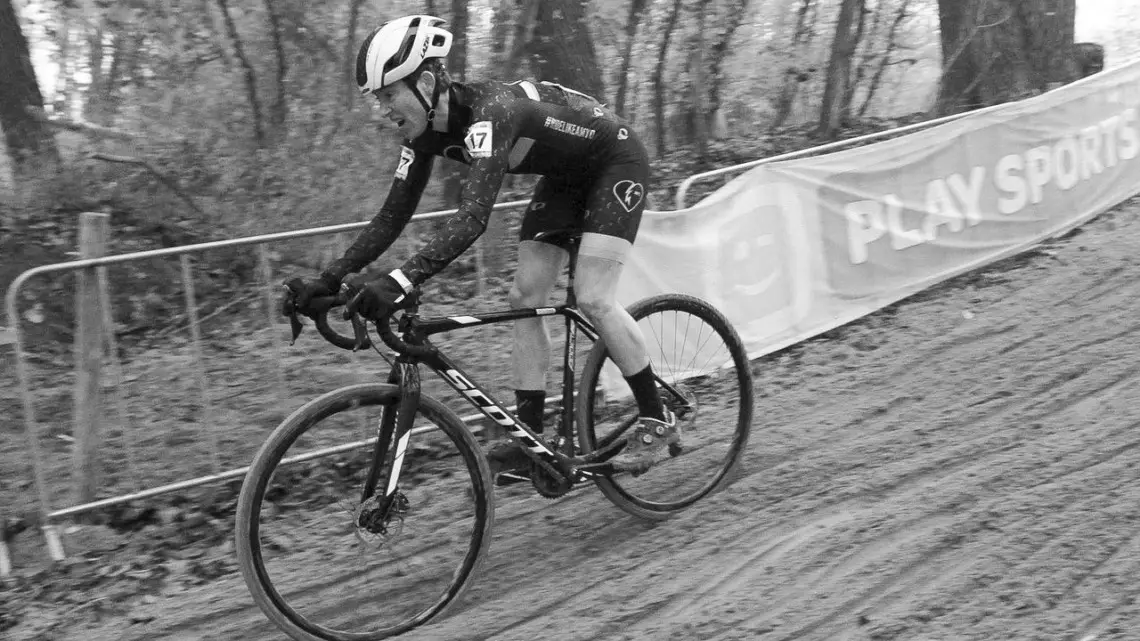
[{"x": 964, "y": 465}]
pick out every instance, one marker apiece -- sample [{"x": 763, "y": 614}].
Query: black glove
[
  {"x": 380, "y": 298},
  {"x": 302, "y": 292}
]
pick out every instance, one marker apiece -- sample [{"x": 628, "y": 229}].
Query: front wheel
[
  {"x": 704, "y": 377},
  {"x": 329, "y": 559}
]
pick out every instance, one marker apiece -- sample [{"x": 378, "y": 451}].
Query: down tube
[{"x": 478, "y": 397}]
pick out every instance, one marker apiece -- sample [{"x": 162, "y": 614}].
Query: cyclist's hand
[
  {"x": 379, "y": 298},
  {"x": 301, "y": 292}
]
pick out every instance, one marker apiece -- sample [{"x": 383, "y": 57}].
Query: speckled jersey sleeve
[
  {"x": 488, "y": 140},
  {"x": 412, "y": 173}
]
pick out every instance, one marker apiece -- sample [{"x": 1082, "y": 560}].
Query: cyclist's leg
[
  {"x": 539, "y": 265},
  {"x": 614, "y": 207}
]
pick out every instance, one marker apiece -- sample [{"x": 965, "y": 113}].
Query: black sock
[
  {"x": 645, "y": 393},
  {"x": 531, "y": 404}
]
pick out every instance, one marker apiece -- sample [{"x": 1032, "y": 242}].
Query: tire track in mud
[
  {"x": 252, "y": 620},
  {"x": 968, "y": 465},
  {"x": 778, "y": 546},
  {"x": 927, "y": 589},
  {"x": 942, "y": 556}
]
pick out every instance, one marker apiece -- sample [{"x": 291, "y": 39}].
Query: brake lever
[
  {"x": 294, "y": 322},
  {"x": 360, "y": 331},
  {"x": 348, "y": 290},
  {"x": 296, "y": 325}
]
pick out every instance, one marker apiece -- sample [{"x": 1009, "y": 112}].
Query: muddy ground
[{"x": 964, "y": 465}]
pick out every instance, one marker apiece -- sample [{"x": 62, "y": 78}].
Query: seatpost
[{"x": 571, "y": 300}]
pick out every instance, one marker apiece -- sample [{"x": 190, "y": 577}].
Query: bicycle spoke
[
  {"x": 706, "y": 381},
  {"x": 321, "y": 560}
]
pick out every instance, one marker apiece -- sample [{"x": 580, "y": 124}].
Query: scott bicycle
[{"x": 387, "y": 534}]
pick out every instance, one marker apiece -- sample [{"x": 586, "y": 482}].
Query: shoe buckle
[
  {"x": 659, "y": 430},
  {"x": 647, "y": 439}
]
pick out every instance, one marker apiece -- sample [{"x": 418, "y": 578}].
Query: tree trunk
[
  {"x": 279, "y": 110},
  {"x": 994, "y": 51},
  {"x": 699, "y": 91},
  {"x": 885, "y": 61},
  {"x": 795, "y": 72},
  {"x": 457, "y": 67},
  {"x": 716, "y": 77},
  {"x": 636, "y": 8},
  {"x": 250, "y": 77},
  {"x": 521, "y": 36},
  {"x": 61, "y": 93},
  {"x": 500, "y": 37},
  {"x": 839, "y": 67},
  {"x": 351, "y": 95},
  {"x": 96, "y": 90},
  {"x": 29, "y": 140},
  {"x": 659, "y": 75},
  {"x": 562, "y": 49},
  {"x": 868, "y": 38}
]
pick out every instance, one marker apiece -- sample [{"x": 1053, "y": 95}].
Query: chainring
[{"x": 547, "y": 484}]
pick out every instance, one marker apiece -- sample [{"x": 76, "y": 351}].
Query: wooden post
[{"x": 93, "y": 232}]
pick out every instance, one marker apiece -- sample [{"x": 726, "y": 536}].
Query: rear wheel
[
  {"x": 704, "y": 378},
  {"x": 322, "y": 563}
]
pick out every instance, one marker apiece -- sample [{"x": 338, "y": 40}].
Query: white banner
[{"x": 793, "y": 249}]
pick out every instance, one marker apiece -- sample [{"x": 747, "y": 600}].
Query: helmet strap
[{"x": 429, "y": 107}]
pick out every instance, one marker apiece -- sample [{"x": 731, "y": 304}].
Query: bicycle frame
[{"x": 483, "y": 400}]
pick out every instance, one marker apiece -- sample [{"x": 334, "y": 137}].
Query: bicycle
[{"x": 440, "y": 489}]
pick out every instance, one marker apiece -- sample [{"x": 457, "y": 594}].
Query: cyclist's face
[{"x": 399, "y": 105}]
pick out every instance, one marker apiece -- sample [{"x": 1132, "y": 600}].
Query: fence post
[{"x": 93, "y": 232}]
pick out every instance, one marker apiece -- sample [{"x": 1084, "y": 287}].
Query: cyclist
[{"x": 594, "y": 171}]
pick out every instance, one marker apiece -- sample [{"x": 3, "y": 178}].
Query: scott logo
[{"x": 494, "y": 412}]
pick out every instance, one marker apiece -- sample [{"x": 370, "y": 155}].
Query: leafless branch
[{"x": 170, "y": 184}]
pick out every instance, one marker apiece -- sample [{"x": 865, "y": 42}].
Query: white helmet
[{"x": 395, "y": 50}]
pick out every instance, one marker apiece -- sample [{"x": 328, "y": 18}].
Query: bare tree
[
  {"x": 659, "y": 74},
  {"x": 247, "y": 69},
  {"x": 279, "y": 110},
  {"x": 716, "y": 75},
  {"x": 698, "y": 111},
  {"x": 872, "y": 48},
  {"x": 29, "y": 140},
  {"x": 886, "y": 59},
  {"x": 636, "y": 8},
  {"x": 847, "y": 33},
  {"x": 994, "y": 51},
  {"x": 562, "y": 49},
  {"x": 350, "y": 93},
  {"x": 457, "y": 68},
  {"x": 796, "y": 73}
]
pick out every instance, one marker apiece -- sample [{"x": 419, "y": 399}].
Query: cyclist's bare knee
[{"x": 537, "y": 273}]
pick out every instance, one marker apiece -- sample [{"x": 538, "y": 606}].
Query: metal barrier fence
[{"x": 96, "y": 267}]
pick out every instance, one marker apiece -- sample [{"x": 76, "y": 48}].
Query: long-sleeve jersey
[{"x": 496, "y": 128}]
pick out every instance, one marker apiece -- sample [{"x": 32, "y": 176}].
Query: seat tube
[{"x": 568, "y": 355}]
